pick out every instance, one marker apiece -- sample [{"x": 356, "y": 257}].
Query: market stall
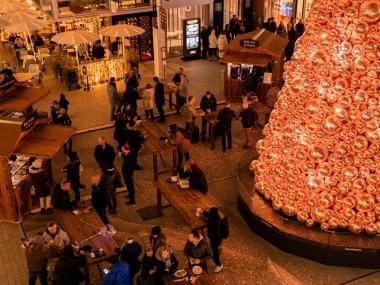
[
  {"x": 253, "y": 59},
  {"x": 24, "y": 134}
]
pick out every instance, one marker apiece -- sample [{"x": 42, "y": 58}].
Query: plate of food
[
  {"x": 180, "y": 273},
  {"x": 197, "y": 270}
]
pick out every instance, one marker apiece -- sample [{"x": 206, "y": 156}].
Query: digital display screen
[{"x": 192, "y": 34}]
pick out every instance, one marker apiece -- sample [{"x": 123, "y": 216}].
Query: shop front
[{"x": 283, "y": 10}]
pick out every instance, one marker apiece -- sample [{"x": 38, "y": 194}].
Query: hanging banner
[{"x": 168, "y": 4}]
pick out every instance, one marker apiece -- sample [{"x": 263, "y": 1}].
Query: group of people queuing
[{"x": 292, "y": 31}]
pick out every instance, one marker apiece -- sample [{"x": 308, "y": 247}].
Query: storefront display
[
  {"x": 283, "y": 10},
  {"x": 191, "y": 40}
]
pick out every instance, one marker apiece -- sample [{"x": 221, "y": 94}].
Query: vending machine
[{"x": 191, "y": 38}]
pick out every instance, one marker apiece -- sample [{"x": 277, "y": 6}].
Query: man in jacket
[
  {"x": 67, "y": 268},
  {"x": 104, "y": 152},
  {"x": 127, "y": 171},
  {"x": 111, "y": 179},
  {"x": 208, "y": 105},
  {"x": 61, "y": 198},
  {"x": 249, "y": 120},
  {"x": 99, "y": 198},
  {"x": 197, "y": 250},
  {"x": 119, "y": 274},
  {"x": 130, "y": 253},
  {"x": 225, "y": 117},
  {"x": 135, "y": 140},
  {"x": 113, "y": 96},
  {"x": 36, "y": 260},
  {"x": 159, "y": 98}
]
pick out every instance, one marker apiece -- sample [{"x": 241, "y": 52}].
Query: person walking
[
  {"x": 36, "y": 260},
  {"x": 111, "y": 180},
  {"x": 196, "y": 250},
  {"x": 148, "y": 101},
  {"x": 225, "y": 117},
  {"x": 127, "y": 171},
  {"x": 73, "y": 172},
  {"x": 208, "y": 105},
  {"x": 68, "y": 267},
  {"x": 248, "y": 119},
  {"x": 159, "y": 98},
  {"x": 113, "y": 96},
  {"x": 99, "y": 198},
  {"x": 41, "y": 186},
  {"x": 213, "y": 45},
  {"x": 104, "y": 152}
]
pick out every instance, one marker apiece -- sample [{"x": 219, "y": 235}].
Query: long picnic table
[
  {"x": 156, "y": 145},
  {"x": 83, "y": 229},
  {"x": 185, "y": 201}
]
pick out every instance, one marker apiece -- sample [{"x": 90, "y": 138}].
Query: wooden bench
[
  {"x": 80, "y": 229},
  {"x": 185, "y": 201}
]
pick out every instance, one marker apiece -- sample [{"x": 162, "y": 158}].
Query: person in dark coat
[
  {"x": 119, "y": 273},
  {"x": 196, "y": 250},
  {"x": 99, "y": 198},
  {"x": 197, "y": 178},
  {"x": 214, "y": 232},
  {"x": 249, "y": 120},
  {"x": 167, "y": 263},
  {"x": 63, "y": 102},
  {"x": 225, "y": 117},
  {"x": 104, "y": 152},
  {"x": 120, "y": 129},
  {"x": 111, "y": 179},
  {"x": 130, "y": 252},
  {"x": 36, "y": 260},
  {"x": 227, "y": 33},
  {"x": 127, "y": 171},
  {"x": 135, "y": 139},
  {"x": 41, "y": 186},
  {"x": 130, "y": 97},
  {"x": 232, "y": 24},
  {"x": 267, "y": 25},
  {"x": 67, "y": 268},
  {"x": 73, "y": 172},
  {"x": 61, "y": 198},
  {"x": 273, "y": 25},
  {"x": 205, "y": 42},
  {"x": 157, "y": 238},
  {"x": 300, "y": 27},
  {"x": 159, "y": 98},
  {"x": 149, "y": 274},
  {"x": 208, "y": 105}
]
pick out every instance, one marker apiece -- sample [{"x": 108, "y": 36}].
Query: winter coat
[
  {"x": 161, "y": 264},
  {"x": 111, "y": 179},
  {"x": 134, "y": 139},
  {"x": 64, "y": 103},
  {"x": 128, "y": 165},
  {"x": 208, "y": 104},
  {"x": 72, "y": 170},
  {"x": 222, "y": 45},
  {"x": 213, "y": 41},
  {"x": 157, "y": 242},
  {"x": 248, "y": 118},
  {"x": 225, "y": 117},
  {"x": 197, "y": 179},
  {"x": 184, "y": 144},
  {"x": 36, "y": 258},
  {"x": 149, "y": 99},
  {"x": 60, "y": 239},
  {"x": 40, "y": 182},
  {"x": 119, "y": 275},
  {"x": 67, "y": 270},
  {"x": 147, "y": 264},
  {"x": 106, "y": 155},
  {"x": 189, "y": 113},
  {"x": 183, "y": 86},
  {"x": 61, "y": 199},
  {"x": 202, "y": 251},
  {"x": 159, "y": 95},
  {"x": 98, "y": 197},
  {"x": 120, "y": 131},
  {"x": 113, "y": 97}
]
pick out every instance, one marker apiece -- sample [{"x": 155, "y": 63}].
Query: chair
[{"x": 34, "y": 69}]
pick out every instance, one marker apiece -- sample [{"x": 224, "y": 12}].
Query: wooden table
[
  {"x": 185, "y": 201},
  {"x": 80, "y": 228},
  {"x": 170, "y": 89},
  {"x": 156, "y": 146},
  {"x": 204, "y": 279}
]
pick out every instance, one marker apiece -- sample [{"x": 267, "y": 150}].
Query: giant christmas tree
[{"x": 320, "y": 158}]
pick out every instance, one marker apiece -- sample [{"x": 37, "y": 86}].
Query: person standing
[
  {"x": 208, "y": 105},
  {"x": 291, "y": 25},
  {"x": 104, "y": 152},
  {"x": 36, "y": 260},
  {"x": 227, "y": 32},
  {"x": 134, "y": 140},
  {"x": 113, "y": 96},
  {"x": 148, "y": 100},
  {"x": 111, "y": 180},
  {"x": 225, "y": 117},
  {"x": 281, "y": 30},
  {"x": 41, "y": 186},
  {"x": 222, "y": 44},
  {"x": 159, "y": 98},
  {"x": 127, "y": 171},
  {"x": 183, "y": 143},
  {"x": 300, "y": 27},
  {"x": 273, "y": 25},
  {"x": 149, "y": 274},
  {"x": 248, "y": 119},
  {"x": 232, "y": 24},
  {"x": 205, "y": 43},
  {"x": 130, "y": 253},
  {"x": 196, "y": 250},
  {"x": 183, "y": 84},
  {"x": 55, "y": 234},
  {"x": 67, "y": 268},
  {"x": 73, "y": 171},
  {"x": 157, "y": 238},
  {"x": 99, "y": 198},
  {"x": 213, "y": 45},
  {"x": 190, "y": 115},
  {"x": 63, "y": 102}
]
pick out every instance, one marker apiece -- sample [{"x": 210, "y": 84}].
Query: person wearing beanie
[
  {"x": 127, "y": 171},
  {"x": 67, "y": 268},
  {"x": 41, "y": 186},
  {"x": 157, "y": 238},
  {"x": 73, "y": 171},
  {"x": 36, "y": 259}
]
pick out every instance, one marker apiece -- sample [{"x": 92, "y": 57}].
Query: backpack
[{"x": 225, "y": 229}]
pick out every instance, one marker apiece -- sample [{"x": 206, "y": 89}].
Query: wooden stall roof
[
  {"x": 237, "y": 57},
  {"x": 9, "y": 134},
  {"x": 269, "y": 44},
  {"x": 23, "y": 99},
  {"x": 44, "y": 141}
]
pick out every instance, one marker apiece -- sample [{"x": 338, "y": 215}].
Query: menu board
[{"x": 191, "y": 42}]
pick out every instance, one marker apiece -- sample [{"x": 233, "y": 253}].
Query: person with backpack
[{"x": 217, "y": 230}]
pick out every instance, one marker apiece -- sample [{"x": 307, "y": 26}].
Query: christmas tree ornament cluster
[{"x": 320, "y": 158}]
